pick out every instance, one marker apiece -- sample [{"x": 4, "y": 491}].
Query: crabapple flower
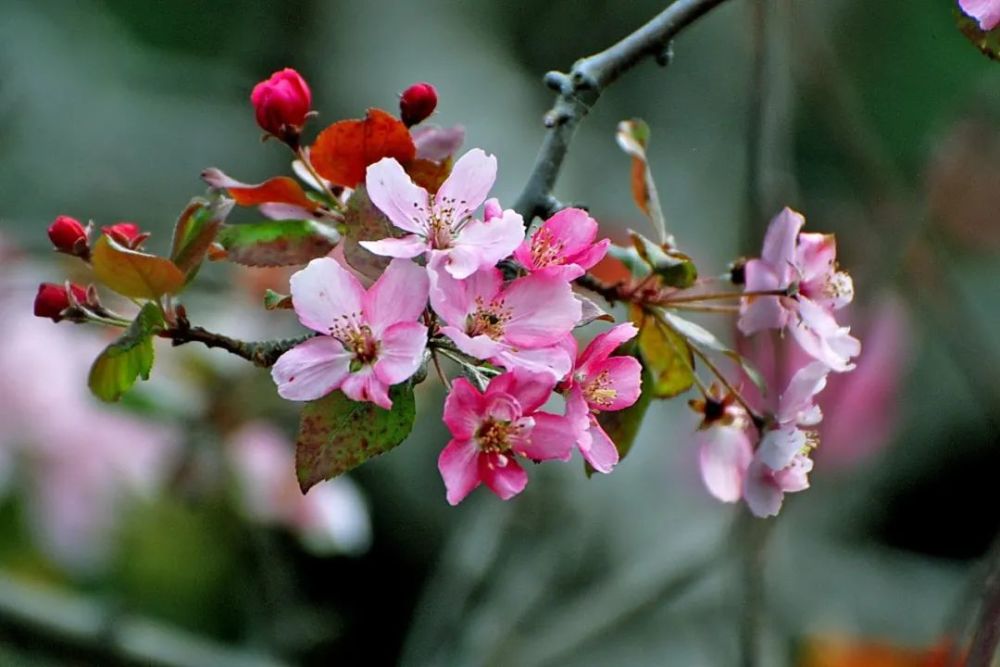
[
  {"x": 765, "y": 487},
  {"x": 986, "y": 12},
  {"x": 281, "y": 104},
  {"x": 416, "y": 103},
  {"x": 600, "y": 383},
  {"x": 724, "y": 446},
  {"x": 797, "y": 411},
  {"x": 804, "y": 267},
  {"x": 127, "y": 234},
  {"x": 68, "y": 235},
  {"x": 53, "y": 300},
  {"x": 442, "y": 224},
  {"x": 490, "y": 428},
  {"x": 368, "y": 341},
  {"x": 563, "y": 246},
  {"x": 519, "y": 325}
]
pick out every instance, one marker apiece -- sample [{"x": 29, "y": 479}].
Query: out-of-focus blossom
[
  {"x": 443, "y": 224},
  {"x": 417, "y": 102},
  {"x": 370, "y": 340},
  {"x": 724, "y": 445},
  {"x": 564, "y": 246},
  {"x": 599, "y": 382},
  {"x": 797, "y": 411},
  {"x": 331, "y": 517},
  {"x": 986, "y": 12},
  {"x": 518, "y": 325},
  {"x": 765, "y": 488},
  {"x": 437, "y": 143},
  {"x": 282, "y": 104},
  {"x": 489, "y": 429}
]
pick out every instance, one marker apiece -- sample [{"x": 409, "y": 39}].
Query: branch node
[
  {"x": 557, "y": 81},
  {"x": 666, "y": 55}
]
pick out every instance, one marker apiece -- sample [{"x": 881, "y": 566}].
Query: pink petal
[
  {"x": 455, "y": 299},
  {"x": 592, "y": 255},
  {"x": 457, "y": 464},
  {"x": 502, "y": 474},
  {"x": 480, "y": 245},
  {"x": 276, "y": 211},
  {"x": 603, "y": 344},
  {"x": 312, "y": 369},
  {"x": 573, "y": 227},
  {"x": 481, "y": 347},
  {"x": 468, "y": 184},
  {"x": 399, "y": 295},
  {"x": 779, "y": 446},
  {"x": 797, "y": 399},
  {"x": 437, "y": 143},
  {"x": 363, "y": 385},
  {"x": 531, "y": 390},
  {"x": 405, "y": 204},
  {"x": 624, "y": 376},
  {"x": 411, "y": 245},
  {"x": 761, "y": 493},
  {"x": 601, "y": 453},
  {"x": 551, "y": 438},
  {"x": 401, "y": 351},
  {"x": 324, "y": 293},
  {"x": 816, "y": 255},
  {"x": 542, "y": 311},
  {"x": 724, "y": 454},
  {"x": 795, "y": 476},
  {"x": 819, "y": 336},
  {"x": 463, "y": 409},
  {"x": 780, "y": 239},
  {"x": 987, "y": 12},
  {"x": 492, "y": 209},
  {"x": 553, "y": 359},
  {"x": 758, "y": 313}
]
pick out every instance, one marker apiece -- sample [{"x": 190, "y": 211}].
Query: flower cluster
[{"x": 443, "y": 292}]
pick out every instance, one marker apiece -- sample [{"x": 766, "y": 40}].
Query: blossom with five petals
[
  {"x": 563, "y": 246},
  {"x": 368, "y": 341},
  {"x": 443, "y": 224}
]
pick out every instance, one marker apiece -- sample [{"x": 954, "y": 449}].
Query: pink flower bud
[
  {"x": 68, "y": 235},
  {"x": 127, "y": 234},
  {"x": 53, "y": 299},
  {"x": 417, "y": 103},
  {"x": 281, "y": 104}
]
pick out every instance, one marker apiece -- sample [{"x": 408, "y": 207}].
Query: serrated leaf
[
  {"x": 343, "y": 151},
  {"x": 363, "y": 221},
  {"x": 673, "y": 267},
  {"x": 337, "y": 434},
  {"x": 277, "y": 242},
  {"x": 132, "y": 273},
  {"x": 666, "y": 355},
  {"x": 633, "y": 138},
  {"x": 130, "y": 357},
  {"x": 195, "y": 231}
]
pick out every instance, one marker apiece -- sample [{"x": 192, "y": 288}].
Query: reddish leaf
[
  {"x": 344, "y": 150},
  {"x": 429, "y": 174},
  {"x": 277, "y": 190},
  {"x": 134, "y": 274}
]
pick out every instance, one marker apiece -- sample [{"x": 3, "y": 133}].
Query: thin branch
[
  {"x": 579, "y": 90},
  {"x": 262, "y": 353}
]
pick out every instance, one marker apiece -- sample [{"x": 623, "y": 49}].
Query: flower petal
[
  {"x": 457, "y": 464},
  {"x": 531, "y": 390},
  {"x": 553, "y": 359},
  {"x": 603, "y": 344},
  {"x": 602, "y": 453},
  {"x": 780, "y": 239},
  {"x": 480, "y": 245},
  {"x": 401, "y": 351},
  {"x": 542, "y": 311},
  {"x": 797, "y": 400},
  {"x": 724, "y": 454},
  {"x": 987, "y": 12},
  {"x": 760, "y": 492},
  {"x": 364, "y": 385},
  {"x": 502, "y": 474},
  {"x": 779, "y": 446},
  {"x": 761, "y": 312},
  {"x": 480, "y": 347},
  {"x": 312, "y": 369},
  {"x": 399, "y": 295},
  {"x": 455, "y": 299},
  {"x": 463, "y": 409},
  {"x": 411, "y": 245},
  {"x": 622, "y": 375},
  {"x": 551, "y": 438},
  {"x": 406, "y": 204},
  {"x": 325, "y": 292},
  {"x": 468, "y": 184}
]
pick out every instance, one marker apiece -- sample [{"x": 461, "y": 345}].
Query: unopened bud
[
  {"x": 68, "y": 236},
  {"x": 417, "y": 103},
  {"x": 282, "y": 104},
  {"x": 53, "y": 300},
  {"x": 127, "y": 234}
]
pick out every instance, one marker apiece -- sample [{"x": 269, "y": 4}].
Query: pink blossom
[
  {"x": 797, "y": 411},
  {"x": 766, "y": 488},
  {"x": 368, "y": 341},
  {"x": 598, "y": 383},
  {"x": 563, "y": 246},
  {"x": 724, "y": 454},
  {"x": 281, "y": 103},
  {"x": 521, "y": 324},
  {"x": 489, "y": 429},
  {"x": 443, "y": 224},
  {"x": 986, "y": 12},
  {"x": 804, "y": 266}
]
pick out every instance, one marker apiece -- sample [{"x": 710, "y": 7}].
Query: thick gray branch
[{"x": 580, "y": 89}]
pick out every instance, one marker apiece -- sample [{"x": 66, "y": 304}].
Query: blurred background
[{"x": 168, "y": 529}]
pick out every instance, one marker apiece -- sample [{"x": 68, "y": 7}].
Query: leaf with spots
[
  {"x": 363, "y": 221},
  {"x": 337, "y": 434},
  {"x": 278, "y": 242}
]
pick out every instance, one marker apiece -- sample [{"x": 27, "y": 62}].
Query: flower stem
[
  {"x": 718, "y": 296},
  {"x": 757, "y": 419},
  {"x": 307, "y": 163}
]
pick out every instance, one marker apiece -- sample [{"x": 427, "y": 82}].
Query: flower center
[
  {"x": 357, "y": 339},
  {"x": 599, "y": 391},
  {"x": 487, "y": 319},
  {"x": 545, "y": 250},
  {"x": 493, "y": 436}
]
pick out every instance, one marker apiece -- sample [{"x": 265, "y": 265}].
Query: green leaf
[
  {"x": 275, "y": 301},
  {"x": 365, "y": 222},
  {"x": 987, "y": 42},
  {"x": 703, "y": 338},
  {"x": 666, "y": 354},
  {"x": 631, "y": 259},
  {"x": 134, "y": 274},
  {"x": 674, "y": 267},
  {"x": 195, "y": 231},
  {"x": 130, "y": 357},
  {"x": 337, "y": 434},
  {"x": 277, "y": 242}
]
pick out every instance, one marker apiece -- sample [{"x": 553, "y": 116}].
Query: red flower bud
[
  {"x": 53, "y": 299},
  {"x": 68, "y": 235},
  {"x": 281, "y": 104},
  {"x": 417, "y": 103},
  {"x": 127, "y": 234}
]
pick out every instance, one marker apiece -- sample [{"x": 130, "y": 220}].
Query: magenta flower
[
  {"x": 986, "y": 12},
  {"x": 804, "y": 266},
  {"x": 599, "y": 383},
  {"x": 281, "y": 104},
  {"x": 489, "y": 429},
  {"x": 519, "y": 325},
  {"x": 368, "y": 341},
  {"x": 797, "y": 411},
  {"x": 443, "y": 224},
  {"x": 765, "y": 488},
  {"x": 563, "y": 246}
]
